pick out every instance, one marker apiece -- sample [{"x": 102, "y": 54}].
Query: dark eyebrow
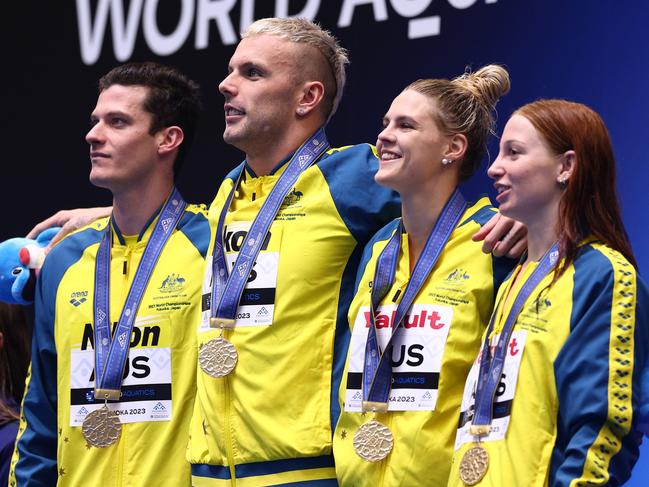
[
  {"x": 118, "y": 113},
  {"x": 94, "y": 118},
  {"x": 114, "y": 113},
  {"x": 252, "y": 64}
]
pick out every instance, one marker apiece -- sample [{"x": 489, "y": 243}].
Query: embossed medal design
[
  {"x": 474, "y": 465},
  {"x": 217, "y": 357},
  {"x": 101, "y": 428},
  {"x": 373, "y": 441}
]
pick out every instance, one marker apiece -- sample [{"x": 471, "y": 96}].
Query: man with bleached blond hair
[{"x": 264, "y": 415}]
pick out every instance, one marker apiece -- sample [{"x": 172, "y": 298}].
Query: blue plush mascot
[{"x": 17, "y": 257}]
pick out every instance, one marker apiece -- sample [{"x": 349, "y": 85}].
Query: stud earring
[
  {"x": 446, "y": 161},
  {"x": 563, "y": 180},
  {"x": 300, "y": 111}
]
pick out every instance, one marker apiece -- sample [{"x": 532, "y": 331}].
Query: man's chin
[
  {"x": 229, "y": 135},
  {"x": 234, "y": 139},
  {"x": 100, "y": 182}
]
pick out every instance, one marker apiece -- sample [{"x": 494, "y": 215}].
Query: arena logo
[{"x": 199, "y": 15}]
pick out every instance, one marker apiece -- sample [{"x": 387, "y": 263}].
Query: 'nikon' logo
[{"x": 145, "y": 336}]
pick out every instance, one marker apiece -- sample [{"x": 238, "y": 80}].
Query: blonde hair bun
[{"x": 487, "y": 84}]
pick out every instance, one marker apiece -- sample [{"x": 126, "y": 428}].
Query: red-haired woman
[{"x": 552, "y": 398}]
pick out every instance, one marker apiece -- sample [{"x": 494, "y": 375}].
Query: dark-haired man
[{"x": 113, "y": 365}]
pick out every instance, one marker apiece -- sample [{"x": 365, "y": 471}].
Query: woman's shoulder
[
  {"x": 600, "y": 269},
  {"x": 597, "y": 258}
]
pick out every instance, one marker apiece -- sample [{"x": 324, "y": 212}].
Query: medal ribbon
[
  {"x": 377, "y": 369},
  {"x": 227, "y": 288},
  {"x": 491, "y": 367},
  {"x": 111, "y": 354}
]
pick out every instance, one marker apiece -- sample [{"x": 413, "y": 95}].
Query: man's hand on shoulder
[
  {"x": 69, "y": 221},
  {"x": 502, "y": 236}
]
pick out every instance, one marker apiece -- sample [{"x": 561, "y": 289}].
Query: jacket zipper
[
  {"x": 124, "y": 291},
  {"x": 229, "y": 440},
  {"x": 384, "y": 463}
]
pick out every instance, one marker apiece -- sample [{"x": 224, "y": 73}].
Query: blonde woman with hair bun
[{"x": 425, "y": 289}]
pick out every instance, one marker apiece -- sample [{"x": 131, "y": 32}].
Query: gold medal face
[
  {"x": 474, "y": 465},
  {"x": 101, "y": 428},
  {"x": 373, "y": 441},
  {"x": 218, "y": 357}
]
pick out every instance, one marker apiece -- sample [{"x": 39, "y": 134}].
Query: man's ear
[
  {"x": 310, "y": 98},
  {"x": 169, "y": 139}
]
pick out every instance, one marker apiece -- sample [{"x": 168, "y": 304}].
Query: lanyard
[
  {"x": 111, "y": 354},
  {"x": 491, "y": 367},
  {"x": 377, "y": 369},
  {"x": 228, "y": 287}
]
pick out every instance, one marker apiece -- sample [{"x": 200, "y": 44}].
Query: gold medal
[
  {"x": 101, "y": 427},
  {"x": 474, "y": 465},
  {"x": 218, "y": 357},
  {"x": 373, "y": 441}
]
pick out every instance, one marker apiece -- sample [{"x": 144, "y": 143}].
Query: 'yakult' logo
[
  {"x": 422, "y": 319},
  {"x": 414, "y": 352}
]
